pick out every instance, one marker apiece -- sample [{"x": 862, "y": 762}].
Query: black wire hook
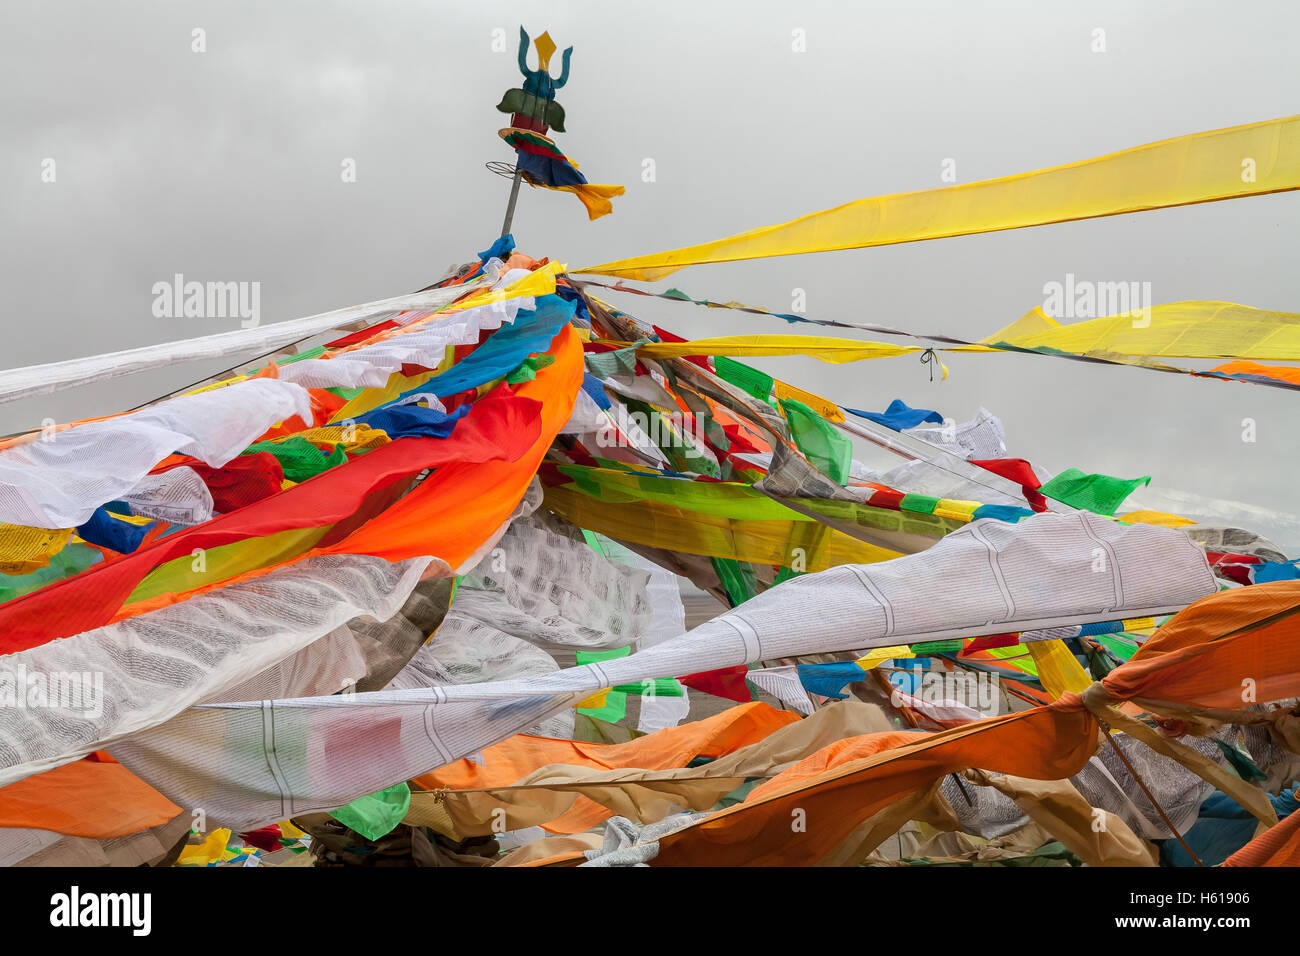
[{"x": 929, "y": 358}]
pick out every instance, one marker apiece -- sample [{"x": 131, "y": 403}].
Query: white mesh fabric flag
[
  {"x": 782, "y": 683},
  {"x": 255, "y": 762},
  {"x": 141, "y": 671},
  {"x": 177, "y": 496},
  {"x": 58, "y": 481},
  {"x": 536, "y": 599},
  {"x": 55, "y": 376},
  {"x": 425, "y": 345},
  {"x": 980, "y": 439},
  {"x": 555, "y": 592}
]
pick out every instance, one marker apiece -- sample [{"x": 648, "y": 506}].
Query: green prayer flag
[
  {"x": 756, "y": 383},
  {"x": 738, "y": 579},
  {"x": 922, "y": 503},
  {"x": 527, "y": 370},
  {"x": 937, "y": 647},
  {"x": 347, "y": 394},
  {"x": 605, "y": 365},
  {"x": 376, "y": 814},
  {"x": 1100, "y": 494},
  {"x": 829, "y": 449},
  {"x": 299, "y": 458},
  {"x": 317, "y": 352},
  {"x": 658, "y": 687}
]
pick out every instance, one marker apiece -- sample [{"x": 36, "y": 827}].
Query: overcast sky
[{"x": 225, "y": 165}]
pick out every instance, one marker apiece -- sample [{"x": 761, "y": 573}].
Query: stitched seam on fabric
[
  {"x": 878, "y": 595},
  {"x": 1117, "y": 584},
  {"x": 272, "y": 758},
  {"x": 996, "y": 567}
]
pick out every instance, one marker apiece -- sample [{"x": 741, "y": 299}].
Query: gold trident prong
[{"x": 545, "y": 48}]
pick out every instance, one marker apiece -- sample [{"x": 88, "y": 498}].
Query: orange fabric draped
[
  {"x": 451, "y": 514},
  {"x": 1201, "y": 656},
  {"x": 1204, "y": 653},
  {"x": 800, "y": 822},
  {"x": 1276, "y": 846},
  {"x": 94, "y": 797},
  {"x": 1285, "y": 373},
  {"x": 516, "y": 757}
]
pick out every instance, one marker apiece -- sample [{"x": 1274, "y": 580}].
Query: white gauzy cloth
[
  {"x": 667, "y": 613},
  {"x": 52, "y": 377},
  {"x": 634, "y": 844},
  {"x": 980, "y": 439},
  {"x": 554, "y": 592},
  {"x": 924, "y": 478},
  {"x": 1105, "y": 782},
  {"x": 371, "y": 365},
  {"x": 472, "y": 652},
  {"x": 59, "y": 481},
  {"x": 252, "y": 763},
  {"x": 535, "y": 600},
  {"x": 934, "y": 470},
  {"x": 782, "y": 683},
  {"x": 661, "y": 711},
  {"x": 527, "y": 608},
  {"x": 147, "y": 668},
  {"x": 177, "y": 496}
]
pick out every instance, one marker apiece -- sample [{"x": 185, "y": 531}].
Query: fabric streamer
[
  {"x": 1203, "y": 167},
  {"x": 55, "y": 376},
  {"x": 1209, "y": 321},
  {"x": 243, "y": 785},
  {"x": 421, "y": 583}
]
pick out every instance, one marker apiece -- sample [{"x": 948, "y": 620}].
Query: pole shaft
[{"x": 510, "y": 209}]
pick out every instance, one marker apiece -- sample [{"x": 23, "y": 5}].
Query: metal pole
[{"x": 510, "y": 209}]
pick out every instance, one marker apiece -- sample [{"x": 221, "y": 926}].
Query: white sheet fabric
[
  {"x": 555, "y": 592},
  {"x": 256, "y": 762},
  {"x": 155, "y": 665},
  {"x": 661, "y": 711},
  {"x": 532, "y": 603},
  {"x": 923, "y": 478},
  {"x": 371, "y": 365},
  {"x": 58, "y": 481},
  {"x": 270, "y": 634},
  {"x": 587, "y": 417},
  {"x": 526, "y": 609},
  {"x": 934, "y": 470},
  {"x": 980, "y": 439},
  {"x": 473, "y": 652},
  {"x": 667, "y": 613},
  {"x": 177, "y": 496},
  {"x": 55, "y": 376},
  {"x": 783, "y": 683}
]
